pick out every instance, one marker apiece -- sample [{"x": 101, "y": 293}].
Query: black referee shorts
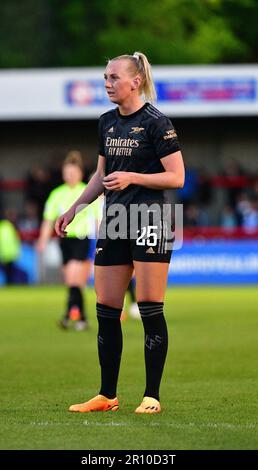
[
  {"x": 146, "y": 242},
  {"x": 74, "y": 249}
]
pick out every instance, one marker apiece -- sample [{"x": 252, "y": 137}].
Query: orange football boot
[
  {"x": 74, "y": 314},
  {"x": 98, "y": 403},
  {"x": 149, "y": 405}
]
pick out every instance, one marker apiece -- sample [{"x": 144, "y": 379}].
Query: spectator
[
  {"x": 250, "y": 217},
  {"x": 204, "y": 191},
  {"x": 28, "y": 223},
  {"x": 228, "y": 218},
  {"x": 188, "y": 193},
  {"x": 254, "y": 190},
  {"x": 236, "y": 181},
  {"x": 10, "y": 213},
  {"x": 191, "y": 214},
  {"x": 38, "y": 187},
  {"x": 242, "y": 207}
]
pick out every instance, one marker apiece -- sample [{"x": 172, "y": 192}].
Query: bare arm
[
  {"x": 95, "y": 186},
  {"x": 46, "y": 230},
  {"x": 173, "y": 177},
  {"x": 94, "y": 189}
]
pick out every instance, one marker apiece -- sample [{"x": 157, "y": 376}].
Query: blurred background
[{"x": 204, "y": 56}]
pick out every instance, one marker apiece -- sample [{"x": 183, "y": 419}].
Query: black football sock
[
  {"x": 131, "y": 290},
  {"x": 110, "y": 344},
  {"x": 75, "y": 299},
  {"x": 156, "y": 345}
]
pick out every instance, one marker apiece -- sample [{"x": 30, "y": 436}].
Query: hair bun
[{"x": 74, "y": 157}]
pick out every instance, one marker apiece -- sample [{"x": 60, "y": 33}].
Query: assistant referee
[{"x": 75, "y": 248}]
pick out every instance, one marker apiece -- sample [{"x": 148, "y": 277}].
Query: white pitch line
[{"x": 136, "y": 425}]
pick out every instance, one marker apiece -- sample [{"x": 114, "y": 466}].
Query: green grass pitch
[{"x": 209, "y": 389}]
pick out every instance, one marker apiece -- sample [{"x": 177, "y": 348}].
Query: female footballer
[{"x": 139, "y": 158}]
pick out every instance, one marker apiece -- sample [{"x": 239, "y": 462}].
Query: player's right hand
[{"x": 62, "y": 222}]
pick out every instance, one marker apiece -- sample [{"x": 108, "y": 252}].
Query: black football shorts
[
  {"x": 74, "y": 249},
  {"x": 147, "y": 239}
]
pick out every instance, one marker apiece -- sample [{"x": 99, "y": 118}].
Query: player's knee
[{"x": 110, "y": 300}]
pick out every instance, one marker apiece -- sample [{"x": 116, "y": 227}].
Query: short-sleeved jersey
[
  {"x": 61, "y": 199},
  {"x": 9, "y": 242},
  {"x": 136, "y": 143}
]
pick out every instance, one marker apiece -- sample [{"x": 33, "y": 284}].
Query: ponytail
[
  {"x": 144, "y": 68},
  {"x": 139, "y": 64}
]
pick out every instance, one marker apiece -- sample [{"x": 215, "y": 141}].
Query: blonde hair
[
  {"x": 139, "y": 64},
  {"x": 74, "y": 157}
]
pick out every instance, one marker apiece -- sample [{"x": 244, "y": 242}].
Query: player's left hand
[{"x": 117, "y": 180}]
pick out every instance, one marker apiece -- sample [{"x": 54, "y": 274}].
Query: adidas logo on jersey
[
  {"x": 111, "y": 129},
  {"x": 136, "y": 130},
  {"x": 150, "y": 250}
]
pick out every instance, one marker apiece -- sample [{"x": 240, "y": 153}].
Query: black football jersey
[{"x": 136, "y": 143}]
